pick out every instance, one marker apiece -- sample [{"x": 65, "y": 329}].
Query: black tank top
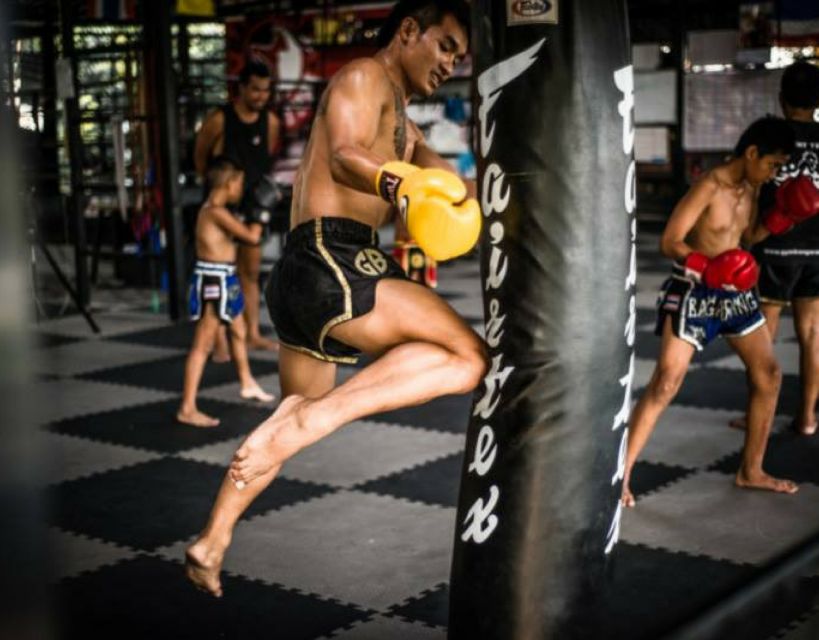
[
  {"x": 247, "y": 144},
  {"x": 803, "y": 241}
]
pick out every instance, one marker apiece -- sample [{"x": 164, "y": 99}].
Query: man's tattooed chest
[{"x": 400, "y": 134}]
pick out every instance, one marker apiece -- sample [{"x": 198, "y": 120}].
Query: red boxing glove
[
  {"x": 797, "y": 200},
  {"x": 695, "y": 265},
  {"x": 732, "y": 270}
]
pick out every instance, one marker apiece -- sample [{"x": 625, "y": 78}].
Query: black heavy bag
[{"x": 538, "y": 512}]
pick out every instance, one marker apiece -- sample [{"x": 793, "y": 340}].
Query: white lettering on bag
[
  {"x": 480, "y": 521},
  {"x": 485, "y": 451},
  {"x": 495, "y": 78},
  {"x": 624, "y": 81}
]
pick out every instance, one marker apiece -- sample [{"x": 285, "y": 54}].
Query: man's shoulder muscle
[
  {"x": 362, "y": 73},
  {"x": 215, "y": 119},
  {"x": 708, "y": 185},
  {"x": 697, "y": 200},
  {"x": 206, "y": 212},
  {"x": 215, "y": 215},
  {"x": 213, "y": 126}
]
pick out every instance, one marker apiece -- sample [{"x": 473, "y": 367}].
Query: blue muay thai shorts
[
  {"x": 215, "y": 283},
  {"x": 699, "y": 314}
]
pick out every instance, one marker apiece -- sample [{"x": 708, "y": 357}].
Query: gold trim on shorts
[
  {"x": 781, "y": 303},
  {"x": 321, "y": 356},
  {"x": 345, "y": 286}
]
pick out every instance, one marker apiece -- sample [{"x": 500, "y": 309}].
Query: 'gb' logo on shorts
[{"x": 370, "y": 262}]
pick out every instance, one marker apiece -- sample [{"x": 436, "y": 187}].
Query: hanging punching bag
[{"x": 538, "y": 512}]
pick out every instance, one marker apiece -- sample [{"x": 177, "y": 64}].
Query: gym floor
[{"x": 354, "y": 540}]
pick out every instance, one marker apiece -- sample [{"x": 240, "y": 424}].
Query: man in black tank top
[
  {"x": 247, "y": 132},
  {"x": 789, "y": 257}
]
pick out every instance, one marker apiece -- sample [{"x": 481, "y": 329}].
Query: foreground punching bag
[{"x": 538, "y": 511}]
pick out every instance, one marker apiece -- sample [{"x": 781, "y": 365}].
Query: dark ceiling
[{"x": 651, "y": 20}]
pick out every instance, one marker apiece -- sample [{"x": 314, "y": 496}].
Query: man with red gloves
[
  {"x": 710, "y": 293},
  {"x": 797, "y": 200},
  {"x": 789, "y": 258}
]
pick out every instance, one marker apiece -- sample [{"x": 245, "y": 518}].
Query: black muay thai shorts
[{"x": 327, "y": 275}]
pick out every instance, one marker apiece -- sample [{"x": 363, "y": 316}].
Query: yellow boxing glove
[{"x": 433, "y": 204}]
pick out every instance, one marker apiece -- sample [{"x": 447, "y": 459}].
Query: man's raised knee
[
  {"x": 473, "y": 365},
  {"x": 481, "y": 363},
  {"x": 476, "y": 370}
]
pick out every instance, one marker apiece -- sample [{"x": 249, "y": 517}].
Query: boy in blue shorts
[
  {"x": 215, "y": 292},
  {"x": 710, "y": 293}
]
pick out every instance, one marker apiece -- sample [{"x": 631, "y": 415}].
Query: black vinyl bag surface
[{"x": 538, "y": 513}]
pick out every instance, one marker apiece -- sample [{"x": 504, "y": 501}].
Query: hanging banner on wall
[{"x": 297, "y": 47}]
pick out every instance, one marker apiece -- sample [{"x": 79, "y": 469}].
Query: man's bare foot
[
  {"x": 260, "y": 343},
  {"x": 202, "y": 566},
  {"x": 271, "y": 443},
  {"x": 255, "y": 392},
  {"x": 196, "y": 418},
  {"x": 738, "y": 423},
  {"x": 761, "y": 480},
  {"x": 627, "y": 498}
]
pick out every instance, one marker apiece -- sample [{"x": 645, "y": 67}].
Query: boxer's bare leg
[
  {"x": 203, "y": 339},
  {"x": 249, "y": 264},
  {"x": 221, "y": 347},
  {"x": 300, "y": 374},
  {"x": 764, "y": 379},
  {"x": 806, "y": 322},
  {"x": 672, "y": 365},
  {"x": 772, "y": 313},
  {"x": 203, "y": 559},
  {"x": 249, "y": 388}
]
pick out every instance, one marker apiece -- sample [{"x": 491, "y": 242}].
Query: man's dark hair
[
  {"x": 800, "y": 85},
  {"x": 426, "y": 13},
  {"x": 769, "y": 135},
  {"x": 253, "y": 67},
  {"x": 221, "y": 169}
]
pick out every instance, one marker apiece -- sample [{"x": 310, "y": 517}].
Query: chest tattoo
[{"x": 400, "y": 135}]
